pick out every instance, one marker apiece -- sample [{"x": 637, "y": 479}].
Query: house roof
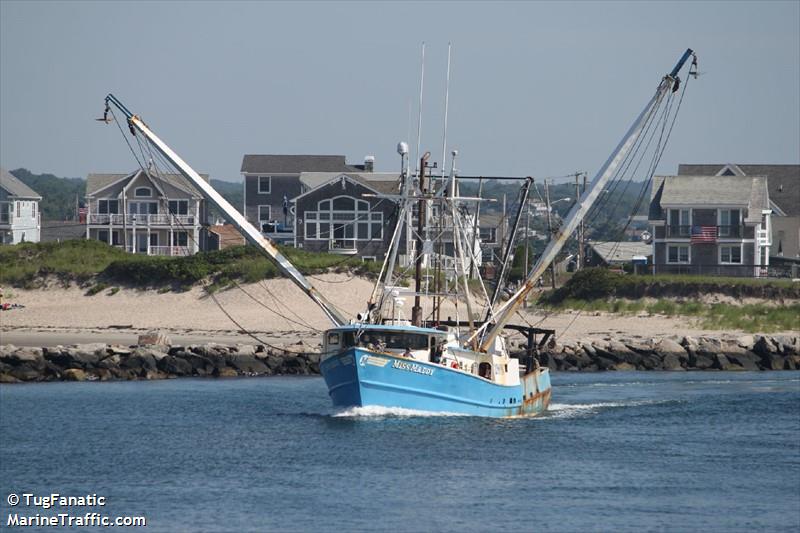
[
  {"x": 228, "y": 235},
  {"x": 783, "y": 181},
  {"x": 97, "y": 182},
  {"x": 294, "y": 164},
  {"x": 620, "y": 252},
  {"x": 15, "y": 187},
  {"x": 702, "y": 191},
  {"x": 380, "y": 182}
]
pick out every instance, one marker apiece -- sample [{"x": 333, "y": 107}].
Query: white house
[
  {"x": 145, "y": 213},
  {"x": 20, "y": 220}
]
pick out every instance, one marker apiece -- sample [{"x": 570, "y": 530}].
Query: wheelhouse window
[
  {"x": 179, "y": 207},
  {"x": 343, "y": 217},
  {"x": 143, "y": 192},
  {"x": 264, "y": 184},
  {"x": 678, "y": 254},
  {"x": 386, "y": 340},
  {"x": 731, "y": 255}
]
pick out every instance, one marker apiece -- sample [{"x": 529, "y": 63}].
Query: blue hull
[{"x": 358, "y": 378}]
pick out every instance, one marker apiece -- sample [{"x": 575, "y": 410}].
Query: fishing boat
[{"x": 422, "y": 363}]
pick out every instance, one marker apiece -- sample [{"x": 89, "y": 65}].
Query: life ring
[{"x": 454, "y": 365}]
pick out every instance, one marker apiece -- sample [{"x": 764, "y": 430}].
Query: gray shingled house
[
  {"x": 20, "y": 218},
  {"x": 145, "y": 213},
  {"x": 344, "y": 213},
  {"x": 783, "y": 183},
  {"x": 272, "y": 181},
  {"x": 710, "y": 225}
]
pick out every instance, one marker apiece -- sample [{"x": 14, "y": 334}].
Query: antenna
[
  {"x": 446, "y": 104},
  {"x": 419, "y": 119}
]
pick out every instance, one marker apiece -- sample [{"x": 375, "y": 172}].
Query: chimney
[{"x": 369, "y": 163}]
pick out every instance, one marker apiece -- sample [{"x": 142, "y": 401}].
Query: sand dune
[{"x": 274, "y": 309}]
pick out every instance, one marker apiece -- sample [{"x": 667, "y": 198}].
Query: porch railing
[
  {"x": 733, "y": 232},
  {"x": 158, "y": 219}
]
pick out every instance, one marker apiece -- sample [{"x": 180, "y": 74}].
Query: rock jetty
[
  {"x": 749, "y": 352},
  {"x": 104, "y": 362}
]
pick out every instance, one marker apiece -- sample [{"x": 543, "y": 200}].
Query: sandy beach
[{"x": 273, "y": 311}]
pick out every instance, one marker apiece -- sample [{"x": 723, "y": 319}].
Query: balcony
[
  {"x": 158, "y": 219},
  {"x": 724, "y": 232}
]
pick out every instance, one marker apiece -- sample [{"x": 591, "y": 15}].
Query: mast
[
  {"x": 249, "y": 232},
  {"x": 416, "y": 311},
  {"x": 579, "y": 210}
]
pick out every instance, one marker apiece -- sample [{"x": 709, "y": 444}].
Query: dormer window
[{"x": 143, "y": 192}]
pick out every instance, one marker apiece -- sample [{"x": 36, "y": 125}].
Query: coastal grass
[
  {"x": 601, "y": 283},
  {"x": 29, "y": 265},
  {"x": 752, "y": 318}
]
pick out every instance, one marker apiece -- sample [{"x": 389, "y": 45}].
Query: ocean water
[{"x": 623, "y": 451}]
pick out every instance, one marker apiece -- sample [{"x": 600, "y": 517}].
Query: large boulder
[
  {"x": 721, "y": 362},
  {"x": 74, "y": 374},
  {"x": 25, "y": 372},
  {"x": 746, "y": 360},
  {"x": 765, "y": 347},
  {"x": 139, "y": 362},
  {"x": 247, "y": 364},
  {"x": 672, "y": 362},
  {"x": 33, "y": 357},
  {"x": 174, "y": 366}
]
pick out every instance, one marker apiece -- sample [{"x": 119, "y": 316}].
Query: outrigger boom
[
  {"x": 249, "y": 232},
  {"x": 578, "y": 211}
]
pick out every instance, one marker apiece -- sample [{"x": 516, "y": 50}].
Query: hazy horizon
[{"x": 543, "y": 89}]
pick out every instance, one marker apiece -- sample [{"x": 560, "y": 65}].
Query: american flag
[{"x": 704, "y": 234}]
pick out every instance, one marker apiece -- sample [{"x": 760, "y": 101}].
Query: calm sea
[{"x": 616, "y": 452}]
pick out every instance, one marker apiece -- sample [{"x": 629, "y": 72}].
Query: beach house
[
  {"x": 145, "y": 213},
  {"x": 20, "y": 217}
]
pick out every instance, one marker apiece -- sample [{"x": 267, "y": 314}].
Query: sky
[{"x": 536, "y": 88}]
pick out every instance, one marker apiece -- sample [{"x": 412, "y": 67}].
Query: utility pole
[{"x": 550, "y": 231}]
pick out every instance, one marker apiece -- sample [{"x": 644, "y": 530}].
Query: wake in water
[
  {"x": 375, "y": 411},
  {"x": 567, "y": 410}
]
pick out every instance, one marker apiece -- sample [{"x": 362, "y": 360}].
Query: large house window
[
  {"x": 264, "y": 184},
  {"x": 680, "y": 221},
  {"x": 142, "y": 192},
  {"x": 678, "y": 253},
  {"x": 179, "y": 207},
  {"x": 180, "y": 238},
  {"x": 108, "y": 207},
  {"x": 729, "y": 222},
  {"x": 143, "y": 208},
  {"x": 102, "y": 235},
  {"x": 343, "y": 217},
  {"x": 33, "y": 209},
  {"x": 730, "y": 254}
]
